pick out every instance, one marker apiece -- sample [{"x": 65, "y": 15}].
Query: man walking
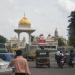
[{"x": 20, "y": 64}]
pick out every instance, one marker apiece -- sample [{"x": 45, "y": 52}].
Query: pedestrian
[{"x": 20, "y": 64}]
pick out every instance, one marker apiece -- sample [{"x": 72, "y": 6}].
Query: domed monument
[
  {"x": 24, "y": 25},
  {"x": 25, "y": 22}
]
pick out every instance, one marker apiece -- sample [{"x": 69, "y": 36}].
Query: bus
[{"x": 48, "y": 47}]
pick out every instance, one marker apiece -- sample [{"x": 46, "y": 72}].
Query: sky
[{"x": 45, "y": 16}]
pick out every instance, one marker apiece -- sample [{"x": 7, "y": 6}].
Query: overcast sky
[{"x": 45, "y": 15}]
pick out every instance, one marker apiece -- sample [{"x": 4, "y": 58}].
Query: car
[
  {"x": 3, "y": 48},
  {"x": 42, "y": 58},
  {"x": 5, "y": 59}
]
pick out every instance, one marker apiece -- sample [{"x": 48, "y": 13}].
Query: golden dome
[{"x": 24, "y": 21}]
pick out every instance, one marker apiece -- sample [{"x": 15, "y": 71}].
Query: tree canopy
[
  {"x": 61, "y": 42},
  {"x": 2, "y": 39},
  {"x": 71, "y": 29}
]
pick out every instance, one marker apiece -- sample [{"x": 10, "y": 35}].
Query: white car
[{"x": 5, "y": 59}]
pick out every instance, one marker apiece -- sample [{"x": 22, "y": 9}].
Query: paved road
[
  {"x": 6, "y": 73},
  {"x": 53, "y": 70}
]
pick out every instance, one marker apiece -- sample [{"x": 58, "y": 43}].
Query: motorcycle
[{"x": 61, "y": 63}]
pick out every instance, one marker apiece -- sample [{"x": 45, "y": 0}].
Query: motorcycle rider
[
  {"x": 59, "y": 56},
  {"x": 71, "y": 58}
]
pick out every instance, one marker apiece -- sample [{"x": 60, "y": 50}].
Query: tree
[
  {"x": 2, "y": 39},
  {"x": 61, "y": 42},
  {"x": 71, "y": 29}
]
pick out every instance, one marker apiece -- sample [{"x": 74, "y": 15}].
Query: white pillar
[
  {"x": 29, "y": 39},
  {"x": 18, "y": 39}
]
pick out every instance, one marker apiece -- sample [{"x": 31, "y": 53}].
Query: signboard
[{"x": 41, "y": 40}]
